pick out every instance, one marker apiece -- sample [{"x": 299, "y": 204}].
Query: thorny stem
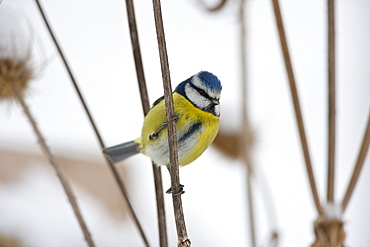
[
  {"x": 331, "y": 101},
  {"x": 66, "y": 186},
  {"x": 297, "y": 108},
  {"x": 146, "y": 107},
  {"x": 172, "y": 140},
  {"x": 96, "y": 131},
  {"x": 359, "y": 164}
]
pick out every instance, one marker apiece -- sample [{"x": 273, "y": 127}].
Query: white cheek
[
  {"x": 194, "y": 97},
  {"x": 217, "y": 110}
]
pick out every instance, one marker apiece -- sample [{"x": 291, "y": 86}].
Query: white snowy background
[{"x": 95, "y": 38}]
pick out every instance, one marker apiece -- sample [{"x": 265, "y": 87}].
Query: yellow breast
[{"x": 196, "y": 129}]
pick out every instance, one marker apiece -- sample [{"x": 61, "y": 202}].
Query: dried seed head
[
  {"x": 15, "y": 74},
  {"x": 15, "y": 54},
  {"x": 229, "y": 143},
  {"x": 329, "y": 232}
]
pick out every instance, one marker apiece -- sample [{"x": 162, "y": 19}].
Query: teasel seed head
[{"x": 15, "y": 74}]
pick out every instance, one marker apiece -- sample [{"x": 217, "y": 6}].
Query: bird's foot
[
  {"x": 175, "y": 118},
  {"x": 154, "y": 135},
  {"x": 181, "y": 191}
]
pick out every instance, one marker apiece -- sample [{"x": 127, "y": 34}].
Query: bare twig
[
  {"x": 359, "y": 164},
  {"x": 92, "y": 122},
  {"x": 172, "y": 140},
  {"x": 245, "y": 147},
  {"x": 296, "y": 103},
  {"x": 331, "y": 103},
  {"x": 66, "y": 186},
  {"x": 146, "y": 107}
]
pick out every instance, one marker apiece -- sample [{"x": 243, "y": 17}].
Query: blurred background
[{"x": 94, "y": 36}]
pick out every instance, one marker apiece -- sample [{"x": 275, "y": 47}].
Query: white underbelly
[{"x": 158, "y": 149}]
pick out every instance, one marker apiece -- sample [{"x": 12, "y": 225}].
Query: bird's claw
[
  {"x": 175, "y": 118},
  {"x": 153, "y": 135},
  {"x": 181, "y": 191}
]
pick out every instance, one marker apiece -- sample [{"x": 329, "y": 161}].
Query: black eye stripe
[{"x": 201, "y": 91}]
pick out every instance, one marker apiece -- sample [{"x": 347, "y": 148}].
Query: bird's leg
[
  {"x": 164, "y": 125},
  {"x": 169, "y": 191},
  {"x": 155, "y": 134}
]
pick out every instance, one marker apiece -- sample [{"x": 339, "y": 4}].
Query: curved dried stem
[
  {"x": 66, "y": 186},
  {"x": 297, "y": 108},
  {"x": 161, "y": 213},
  {"x": 172, "y": 140},
  {"x": 96, "y": 131}
]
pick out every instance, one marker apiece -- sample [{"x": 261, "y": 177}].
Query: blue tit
[{"x": 197, "y": 113}]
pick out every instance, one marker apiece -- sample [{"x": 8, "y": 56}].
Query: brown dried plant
[
  {"x": 329, "y": 232},
  {"x": 15, "y": 75},
  {"x": 228, "y": 143}
]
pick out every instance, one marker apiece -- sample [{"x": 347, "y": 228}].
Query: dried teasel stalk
[{"x": 15, "y": 75}]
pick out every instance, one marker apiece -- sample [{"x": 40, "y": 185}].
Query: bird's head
[{"x": 203, "y": 90}]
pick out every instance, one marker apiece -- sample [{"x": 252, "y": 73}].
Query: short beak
[{"x": 215, "y": 102}]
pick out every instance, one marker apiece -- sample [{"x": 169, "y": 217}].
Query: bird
[{"x": 197, "y": 120}]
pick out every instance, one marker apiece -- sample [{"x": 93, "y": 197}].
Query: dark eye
[{"x": 203, "y": 93}]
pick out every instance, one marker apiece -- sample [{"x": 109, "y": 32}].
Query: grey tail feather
[{"x": 121, "y": 151}]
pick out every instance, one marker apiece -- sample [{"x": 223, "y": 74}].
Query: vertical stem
[
  {"x": 172, "y": 139},
  {"x": 250, "y": 206},
  {"x": 137, "y": 55},
  {"x": 297, "y": 108},
  {"x": 162, "y": 228},
  {"x": 331, "y": 103},
  {"x": 66, "y": 186},
  {"x": 359, "y": 164},
  {"x": 162, "y": 225},
  {"x": 92, "y": 122},
  {"x": 245, "y": 147}
]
